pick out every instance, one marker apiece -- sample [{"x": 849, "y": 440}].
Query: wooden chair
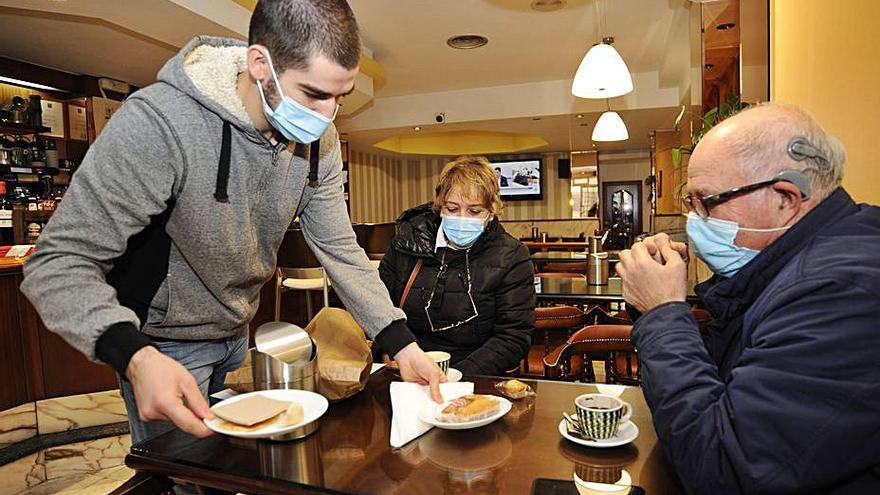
[
  {"x": 610, "y": 344},
  {"x": 299, "y": 269},
  {"x": 568, "y": 267},
  {"x": 553, "y": 325}
]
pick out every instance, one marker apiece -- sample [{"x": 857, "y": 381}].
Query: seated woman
[{"x": 466, "y": 286}]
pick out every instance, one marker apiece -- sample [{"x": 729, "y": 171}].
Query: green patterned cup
[
  {"x": 441, "y": 358},
  {"x": 600, "y": 415}
]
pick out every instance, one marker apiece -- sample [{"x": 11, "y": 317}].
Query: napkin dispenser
[{"x": 285, "y": 357}]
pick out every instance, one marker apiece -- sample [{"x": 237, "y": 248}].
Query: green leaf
[
  {"x": 732, "y": 99},
  {"x": 709, "y": 119},
  {"x": 676, "y": 157}
]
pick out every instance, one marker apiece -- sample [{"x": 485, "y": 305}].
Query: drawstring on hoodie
[
  {"x": 314, "y": 151},
  {"x": 220, "y": 190}
]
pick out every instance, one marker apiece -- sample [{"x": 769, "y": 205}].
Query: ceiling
[{"x": 526, "y": 67}]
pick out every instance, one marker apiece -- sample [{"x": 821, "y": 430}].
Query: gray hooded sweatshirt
[{"x": 140, "y": 243}]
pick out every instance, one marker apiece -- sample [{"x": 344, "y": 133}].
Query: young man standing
[{"x": 154, "y": 262}]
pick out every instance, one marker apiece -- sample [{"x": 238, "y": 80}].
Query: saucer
[
  {"x": 626, "y": 433},
  {"x": 453, "y": 375}
]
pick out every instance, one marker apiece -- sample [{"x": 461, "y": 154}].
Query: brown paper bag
[{"x": 344, "y": 359}]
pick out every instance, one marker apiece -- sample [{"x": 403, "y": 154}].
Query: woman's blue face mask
[
  {"x": 293, "y": 120},
  {"x": 462, "y": 231}
]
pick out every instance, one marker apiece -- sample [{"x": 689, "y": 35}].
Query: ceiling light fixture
[
  {"x": 725, "y": 26},
  {"x": 467, "y": 41},
  {"x": 610, "y": 127},
  {"x": 602, "y": 73},
  {"x": 417, "y": 128},
  {"x": 28, "y": 84}
]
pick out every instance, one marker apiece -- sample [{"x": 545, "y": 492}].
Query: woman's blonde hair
[{"x": 474, "y": 177}]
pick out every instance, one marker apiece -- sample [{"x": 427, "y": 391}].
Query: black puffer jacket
[{"x": 503, "y": 290}]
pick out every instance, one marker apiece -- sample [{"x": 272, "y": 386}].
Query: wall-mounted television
[{"x": 520, "y": 179}]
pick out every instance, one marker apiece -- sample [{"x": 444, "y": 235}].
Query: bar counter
[{"x": 35, "y": 363}]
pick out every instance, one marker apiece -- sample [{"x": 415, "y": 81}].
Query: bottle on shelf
[
  {"x": 33, "y": 232},
  {"x": 51, "y": 154},
  {"x": 35, "y": 111}
]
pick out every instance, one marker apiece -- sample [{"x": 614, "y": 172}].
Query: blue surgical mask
[
  {"x": 462, "y": 231},
  {"x": 294, "y": 121},
  {"x": 712, "y": 241}
]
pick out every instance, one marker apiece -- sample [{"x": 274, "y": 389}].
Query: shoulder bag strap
[{"x": 412, "y": 278}]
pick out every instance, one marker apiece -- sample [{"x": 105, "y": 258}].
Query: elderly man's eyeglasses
[{"x": 702, "y": 206}]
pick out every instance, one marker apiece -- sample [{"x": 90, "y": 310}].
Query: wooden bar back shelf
[{"x": 21, "y": 216}]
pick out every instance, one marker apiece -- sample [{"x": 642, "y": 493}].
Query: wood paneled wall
[{"x": 382, "y": 187}]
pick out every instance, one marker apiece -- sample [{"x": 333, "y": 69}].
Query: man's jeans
[{"x": 207, "y": 360}]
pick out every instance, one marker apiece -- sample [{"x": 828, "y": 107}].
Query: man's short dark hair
[
  {"x": 294, "y": 31},
  {"x": 498, "y": 169}
]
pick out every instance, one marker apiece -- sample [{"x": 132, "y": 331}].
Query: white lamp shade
[
  {"x": 602, "y": 74},
  {"x": 610, "y": 127}
]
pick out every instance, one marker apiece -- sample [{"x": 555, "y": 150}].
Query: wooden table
[
  {"x": 556, "y": 246},
  {"x": 578, "y": 290},
  {"x": 577, "y": 260},
  {"x": 350, "y": 452}
]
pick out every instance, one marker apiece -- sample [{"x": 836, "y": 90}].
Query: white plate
[
  {"x": 429, "y": 415},
  {"x": 626, "y": 433},
  {"x": 453, "y": 375},
  {"x": 314, "y": 406}
]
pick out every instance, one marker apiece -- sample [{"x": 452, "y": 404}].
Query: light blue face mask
[
  {"x": 294, "y": 121},
  {"x": 712, "y": 241},
  {"x": 462, "y": 231}
]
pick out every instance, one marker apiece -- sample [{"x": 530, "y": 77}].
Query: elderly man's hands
[{"x": 653, "y": 272}]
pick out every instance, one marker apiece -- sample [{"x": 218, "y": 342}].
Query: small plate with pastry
[
  {"x": 266, "y": 413},
  {"x": 514, "y": 389},
  {"x": 468, "y": 411}
]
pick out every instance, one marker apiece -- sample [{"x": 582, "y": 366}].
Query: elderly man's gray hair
[{"x": 764, "y": 146}]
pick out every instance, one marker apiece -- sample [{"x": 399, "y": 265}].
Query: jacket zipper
[{"x": 276, "y": 151}]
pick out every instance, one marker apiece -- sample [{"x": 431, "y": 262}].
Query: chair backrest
[
  {"x": 294, "y": 252},
  {"x": 558, "y": 318},
  {"x": 568, "y": 267},
  {"x": 561, "y": 275},
  {"x": 375, "y": 238},
  {"x": 608, "y": 343},
  {"x": 598, "y": 316}
]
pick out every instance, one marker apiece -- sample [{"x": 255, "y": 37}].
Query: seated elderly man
[{"x": 784, "y": 394}]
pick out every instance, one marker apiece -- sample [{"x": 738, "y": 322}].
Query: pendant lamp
[
  {"x": 602, "y": 73},
  {"x": 610, "y": 127}
]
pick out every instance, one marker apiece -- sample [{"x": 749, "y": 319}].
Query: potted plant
[{"x": 731, "y": 105}]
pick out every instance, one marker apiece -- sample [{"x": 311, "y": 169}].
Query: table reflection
[
  {"x": 299, "y": 462},
  {"x": 473, "y": 460}
]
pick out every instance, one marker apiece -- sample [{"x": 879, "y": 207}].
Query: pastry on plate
[
  {"x": 469, "y": 408},
  {"x": 513, "y": 388}
]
